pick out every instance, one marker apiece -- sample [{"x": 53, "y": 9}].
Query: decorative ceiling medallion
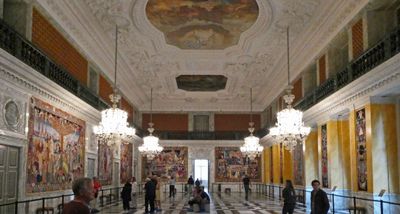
[
  {"x": 202, "y": 24},
  {"x": 201, "y": 83}
]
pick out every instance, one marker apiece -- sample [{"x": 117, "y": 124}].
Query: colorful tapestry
[
  {"x": 231, "y": 165},
  {"x": 298, "y": 168},
  {"x": 56, "y": 148},
  {"x": 361, "y": 150},
  {"x": 105, "y": 160},
  {"x": 126, "y": 162},
  {"x": 324, "y": 156},
  {"x": 171, "y": 161}
]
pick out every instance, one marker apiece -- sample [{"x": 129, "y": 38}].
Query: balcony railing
[
  {"x": 22, "y": 49},
  {"x": 206, "y": 135},
  {"x": 376, "y": 55}
]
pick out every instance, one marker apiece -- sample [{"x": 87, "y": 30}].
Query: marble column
[
  {"x": 287, "y": 165},
  {"x": 267, "y": 165}
]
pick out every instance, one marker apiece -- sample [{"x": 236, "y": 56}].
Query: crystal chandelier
[
  {"x": 251, "y": 147},
  {"x": 150, "y": 147},
  {"x": 113, "y": 127},
  {"x": 289, "y": 129}
]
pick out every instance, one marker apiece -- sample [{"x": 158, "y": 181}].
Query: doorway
[{"x": 201, "y": 172}]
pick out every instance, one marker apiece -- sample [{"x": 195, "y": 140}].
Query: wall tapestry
[
  {"x": 361, "y": 150},
  {"x": 171, "y": 161},
  {"x": 105, "y": 164},
  {"x": 231, "y": 165},
  {"x": 298, "y": 161},
  {"x": 126, "y": 162},
  {"x": 56, "y": 148},
  {"x": 324, "y": 156}
]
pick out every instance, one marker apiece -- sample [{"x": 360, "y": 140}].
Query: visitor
[
  {"x": 200, "y": 198},
  {"x": 172, "y": 186},
  {"x": 246, "y": 185},
  {"x": 83, "y": 193},
  {"x": 319, "y": 199},
  {"x": 97, "y": 188},
  {"x": 190, "y": 185},
  {"x": 133, "y": 195},
  {"x": 289, "y": 198},
  {"x": 197, "y": 183},
  {"x": 126, "y": 195},
  {"x": 158, "y": 193},
  {"x": 150, "y": 194}
]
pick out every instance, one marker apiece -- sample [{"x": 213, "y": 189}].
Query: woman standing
[
  {"x": 134, "y": 184},
  {"x": 289, "y": 198},
  {"x": 158, "y": 194}
]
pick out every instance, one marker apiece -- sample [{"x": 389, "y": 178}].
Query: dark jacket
[
  {"x": 319, "y": 202},
  {"x": 150, "y": 188},
  {"x": 190, "y": 181},
  {"x": 126, "y": 192},
  {"x": 289, "y": 196}
]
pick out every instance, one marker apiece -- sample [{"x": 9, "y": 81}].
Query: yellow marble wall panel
[
  {"x": 383, "y": 140},
  {"x": 353, "y": 151},
  {"x": 334, "y": 178},
  {"x": 287, "y": 165},
  {"x": 311, "y": 158},
  {"x": 344, "y": 138},
  {"x": 276, "y": 163},
  {"x": 370, "y": 167},
  {"x": 267, "y": 165}
]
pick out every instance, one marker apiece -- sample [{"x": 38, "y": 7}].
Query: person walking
[
  {"x": 190, "y": 185},
  {"x": 150, "y": 195},
  {"x": 83, "y": 194},
  {"x": 319, "y": 199},
  {"x": 133, "y": 195},
  {"x": 289, "y": 198},
  {"x": 172, "y": 183},
  {"x": 246, "y": 185},
  {"x": 126, "y": 195}
]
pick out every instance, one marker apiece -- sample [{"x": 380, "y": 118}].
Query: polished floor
[{"x": 232, "y": 203}]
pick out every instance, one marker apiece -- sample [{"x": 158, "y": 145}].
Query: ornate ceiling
[{"x": 243, "y": 40}]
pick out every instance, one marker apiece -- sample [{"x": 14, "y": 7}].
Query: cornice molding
[
  {"x": 325, "y": 26},
  {"x": 32, "y": 83},
  {"x": 382, "y": 80}
]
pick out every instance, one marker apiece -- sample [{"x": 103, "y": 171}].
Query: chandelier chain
[
  {"x": 288, "y": 53},
  {"x": 116, "y": 57}
]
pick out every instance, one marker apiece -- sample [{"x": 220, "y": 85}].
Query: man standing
[
  {"x": 134, "y": 184},
  {"x": 150, "y": 195},
  {"x": 190, "y": 185},
  {"x": 172, "y": 186},
  {"x": 319, "y": 199},
  {"x": 84, "y": 193},
  {"x": 246, "y": 185}
]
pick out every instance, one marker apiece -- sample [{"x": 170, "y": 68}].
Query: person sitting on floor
[{"x": 199, "y": 197}]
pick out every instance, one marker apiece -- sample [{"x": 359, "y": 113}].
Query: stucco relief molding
[
  {"x": 309, "y": 44},
  {"x": 261, "y": 26},
  {"x": 88, "y": 36},
  {"x": 33, "y": 83}
]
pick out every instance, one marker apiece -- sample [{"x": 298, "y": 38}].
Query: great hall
[{"x": 219, "y": 90}]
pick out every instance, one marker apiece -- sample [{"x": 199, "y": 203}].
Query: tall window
[{"x": 201, "y": 123}]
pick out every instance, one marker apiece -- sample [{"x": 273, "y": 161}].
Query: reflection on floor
[{"x": 233, "y": 203}]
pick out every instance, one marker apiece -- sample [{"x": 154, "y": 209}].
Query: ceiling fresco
[
  {"x": 201, "y": 82},
  {"x": 202, "y": 24}
]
